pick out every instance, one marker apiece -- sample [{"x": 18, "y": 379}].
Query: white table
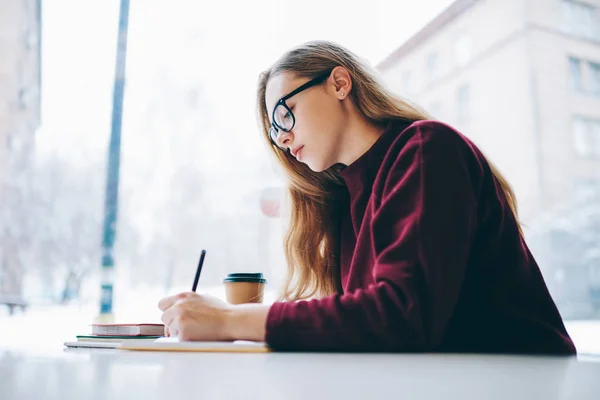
[{"x": 113, "y": 374}]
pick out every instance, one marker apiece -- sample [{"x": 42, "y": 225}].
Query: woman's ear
[{"x": 342, "y": 82}]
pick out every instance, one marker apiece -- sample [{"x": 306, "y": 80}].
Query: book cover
[{"x": 128, "y": 329}]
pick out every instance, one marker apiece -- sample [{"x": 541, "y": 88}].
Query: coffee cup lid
[{"x": 245, "y": 277}]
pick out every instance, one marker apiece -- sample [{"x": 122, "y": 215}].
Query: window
[
  {"x": 594, "y": 129},
  {"x": 581, "y": 19},
  {"x": 432, "y": 67},
  {"x": 463, "y": 98},
  {"x": 31, "y": 39},
  {"x": 575, "y": 75},
  {"x": 584, "y": 76},
  {"x": 580, "y": 139},
  {"x": 15, "y": 144},
  {"x": 195, "y": 172},
  {"x": 586, "y": 137},
  {"x": 594, "y": 77},
  {"x": 24, "y": 99},
  {"x": 463, "y": 50}
]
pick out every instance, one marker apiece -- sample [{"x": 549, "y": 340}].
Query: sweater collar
[{"x": 365, "y": 168}]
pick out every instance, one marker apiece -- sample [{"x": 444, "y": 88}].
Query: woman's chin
[{"x": 316, "y": 166}]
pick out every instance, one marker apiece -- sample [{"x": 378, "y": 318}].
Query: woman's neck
[{"x": 359, "y": 138}]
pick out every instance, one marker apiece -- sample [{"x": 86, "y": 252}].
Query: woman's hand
[{"x": 191, "y": 316}]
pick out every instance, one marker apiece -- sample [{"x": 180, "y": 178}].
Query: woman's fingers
[
  {"x": 190, "y": 316},
  {"x": 167, "y": 302},
  {"x": 172, "y": 316},
  {"x": 168, "y": 316}
]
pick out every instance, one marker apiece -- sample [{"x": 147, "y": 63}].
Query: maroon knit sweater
[{"x": 431, "y": 259}]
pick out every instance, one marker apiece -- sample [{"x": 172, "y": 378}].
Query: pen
[{"x": 195, "y": 285}]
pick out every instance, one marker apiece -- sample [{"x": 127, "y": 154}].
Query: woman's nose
[{"x": 284, "y": 139}]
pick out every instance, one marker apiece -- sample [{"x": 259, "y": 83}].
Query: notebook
[
  {"x": 93, "y": 344},
  {"x": 105, "y": 342},
  {"x": 128, "y": 329},
  {"x": 173, "y": 344}
]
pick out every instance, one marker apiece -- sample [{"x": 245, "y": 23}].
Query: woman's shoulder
[
  {"x": 433, "y": 132},
  {"x": 427, "y": 138},
  {"x": 432, "y": 144}
]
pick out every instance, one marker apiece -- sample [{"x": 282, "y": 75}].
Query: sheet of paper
[
  {"x": 95, "y": 345},
  {"x": 174, "y": 344},
  {"x": 176, "y": 340}
]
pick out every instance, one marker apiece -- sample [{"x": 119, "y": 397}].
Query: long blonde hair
[{"x": 311, "y": 241}]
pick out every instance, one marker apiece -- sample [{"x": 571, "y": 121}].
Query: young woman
[{"x": 403, "y": 236}]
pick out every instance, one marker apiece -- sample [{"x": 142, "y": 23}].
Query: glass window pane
[
  {"x": 580, "y": 19},
  {"x": 575, "y": 73},
  {"x": 595, "y": 136},
  {"x": 194, "y": 172},
  {"x": 580, "y": 137},
  {"x": 463, "y": 49},
  {"x": 567, "y": 11},
  {"x": 594, "y": 77}
]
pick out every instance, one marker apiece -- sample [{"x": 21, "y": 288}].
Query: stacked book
[{"x": 112, "y": 335}]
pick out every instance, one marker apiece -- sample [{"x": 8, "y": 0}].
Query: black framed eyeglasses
[{"x": 283, "y": 118}]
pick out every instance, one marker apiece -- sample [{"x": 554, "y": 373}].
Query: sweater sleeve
[{"x": 422, "y": 226}]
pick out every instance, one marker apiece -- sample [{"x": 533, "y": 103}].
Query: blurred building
[
  {"x": 521, "y": 78},
  {"x": 20, "y": 78}
]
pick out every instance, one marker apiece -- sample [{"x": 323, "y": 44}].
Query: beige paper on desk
[{"x": 173, "y": 344}]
